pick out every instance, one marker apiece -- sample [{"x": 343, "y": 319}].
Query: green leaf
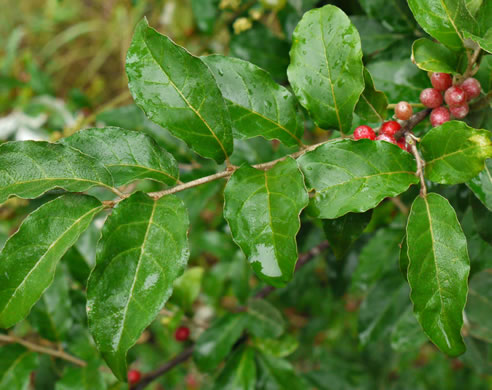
[
  {"x": 399, "y": 80},
  {"x": 342, "y": 232},
  {"x": 263, "y": 48},
  {"x": 373, "y": 104},
  {"x": 205, "y": 14},
  {"x": 373, "y": 35},
  {"x": 30, "y": 168},
  {"x": 262, "y": 209},
  {"x": 479, "y": 306},
  {"x": 177, "y": 91},
  {"x": 460, "y": 158},
  {"x": 51, "y": 314},
  {"x": 278, "y": 374},
  {"x": 433, "y": 57},
  {"x": 394, "y": 14},
  {"x": 16, "y": 366},
  {"x": 483, "y": 220},
  {"x": 407, "y": 334},
  {"x": 403, "y": 259},
  {"x": 282, "y": 347},
  {"x": 346, "y": 176},
  {"x": 326, "y": 71},
  {"x": 481, "y": 185},
  {"x": 438, "y": 271},
  {"x": 216, "y": 342},
  {"x": 128, "y": 155},
  {"x": 239, "y": 372},
  {"x": 445, "y": 20},
  {"x": 81, "y": 378},
  {"x": 29, "y": 258},
  {"x": 258, "y": 106},
  {"x": 485, "y": 41},
  {"x": 264, "y": 319},
  {"x": 78, "y": 265},
  {"x": 187, "y": 287},
  {"x": 143, "y": 249}
]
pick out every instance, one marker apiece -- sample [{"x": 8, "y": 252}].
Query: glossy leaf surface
[
  {"x": 216, "y": 342},
  {"x": 262, "y": 209},
  {"x": 481, "y": 185},
  {"x": 177, "y": 91},
  {"x": 142, "y": 250},
  {"x": 438, "y": 271},
  {"x": 460, "y": 158},
  {"x": 30, "y": 168},
  {"x": 326, "y": 71},
  {"x": 29, "y": 258},
  {"x": 16, "y": 366},
  {"x": 239, "y": 372},
  {"x": 433, "y": 57},
  {"x": 373, "y": 104},
  {"x": 345, "y": 176},
  {"x": 128, "y": 155},
  {"x": 257, "y": 104}
]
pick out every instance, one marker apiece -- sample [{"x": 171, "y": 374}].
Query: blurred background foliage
[{"x": 62, "y": 69}]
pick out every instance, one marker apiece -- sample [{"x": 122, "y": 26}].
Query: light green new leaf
[
  {"x": 143, "y": 249},
  {"x": 454, "y": 152},
  {"x": 264, "y": 319},
  {"x": 29, "y": 258},
  {"x": 257, "y": 104},
  {"x": 16, "y": 365},
  {"x": 354, "y": 176},
  {"x": 373, "y": 104},
  {"x": 128, "y": 155},
  {"x": 431, "y": 56},
  {"x": 216, "y": 342},
  {"x": 177, "y": 91},
  {"x": 479, "y": 306},
  {"x": 326, "y": 71},
  {"x": 445, "y": 20},
  {"x": 262, "y": 209},
  {"x": 481, "y": 185},
  {"x": 30, "y": 168},
  {"x": 239, "y": 372},
  {"x": 438, "y": 271}
]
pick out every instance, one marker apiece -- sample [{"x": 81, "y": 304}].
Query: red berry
[
  {"x": 386, "y": 137},
  {"x": 441, "y": 81},
  {"x": 403, "y": 111},
  {"x": 390, "y": 128},
  {"x": 459, "y": 112},
  {"x": 431, "y": 97},
  {"x": 134, "y": 376},
  {"x": 364, "y": 132},
  {"x": 439, "y": 115},
  {"x": 182, "y": 333},
  {"x": 455, "y": 96},
  {"x": 471, "y": 87}
]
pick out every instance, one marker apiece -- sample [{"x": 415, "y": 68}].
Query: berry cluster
[
  {"x": 386, "y": 132},
  {"x": 455, "y": 96}
]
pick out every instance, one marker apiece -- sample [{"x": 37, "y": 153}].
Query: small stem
[
  {"x": 401, "y": 206},
  {"x": 420, "y": 166},
  {"x": 45, "y": 350},
  {"x": 416, "y": 105},
  {"x": 472, "y": 59}
]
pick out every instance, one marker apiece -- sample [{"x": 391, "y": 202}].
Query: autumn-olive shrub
[{"x": 209, "y": 102}]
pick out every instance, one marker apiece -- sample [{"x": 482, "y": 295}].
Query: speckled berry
[
  {"x": 439, "y": 116},
  {"x": 472, "y": 88},
  {"x": 459, "y": 112},
  {"x": 364, "y": 132},
  {"x": 455, "y": 96},
  {"x": 431, "y": 98},
  {"x": 441, "y": 81},
  {"x": 403, "y": 111},
  {"x": 390, "y": 128}
]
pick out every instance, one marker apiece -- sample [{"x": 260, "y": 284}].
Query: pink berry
[
  {"x": 386, "y": 137},
  {"x": 455, "y": 96},
  {"x": 182, "y": 333},
  {"x": 472, "y": 88},
  {"x": 441, "y": 81},
  {"x": 439, "y": 116},
  {"x": 364, "y": 132},
  {"x": 134, "y": 376},
  {"x": 390, "y": 128},
  {"x": 403, "y": 111},
  {"x": 459, "y": 112},
  {"x": 431, "y": 98}
]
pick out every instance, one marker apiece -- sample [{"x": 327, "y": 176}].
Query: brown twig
[
  {"x": 412, "y": 122},
  {"x": 45, "y": 350},
  {"x": 188, "y": 352},
  {"x": 420, "y": 166}
]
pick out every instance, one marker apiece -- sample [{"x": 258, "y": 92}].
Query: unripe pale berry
[
  {"x": 386, "y": 137},
  {"x": 471, "y": 87},
  {"x": 364, "y": 132},
  {"x": 459, "y": 112},
  {"x": 441, "y": 81},
  {"x": 403, "y": 111},
  {"x": 182, "y": 333},
  {"x": 431, "y": 98},
  {"x": 390, "y": 128},
  {"x": 455, "y": 96},
  {"x": 134, "y": 376},
  {"x": 439, "y": 116}
]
